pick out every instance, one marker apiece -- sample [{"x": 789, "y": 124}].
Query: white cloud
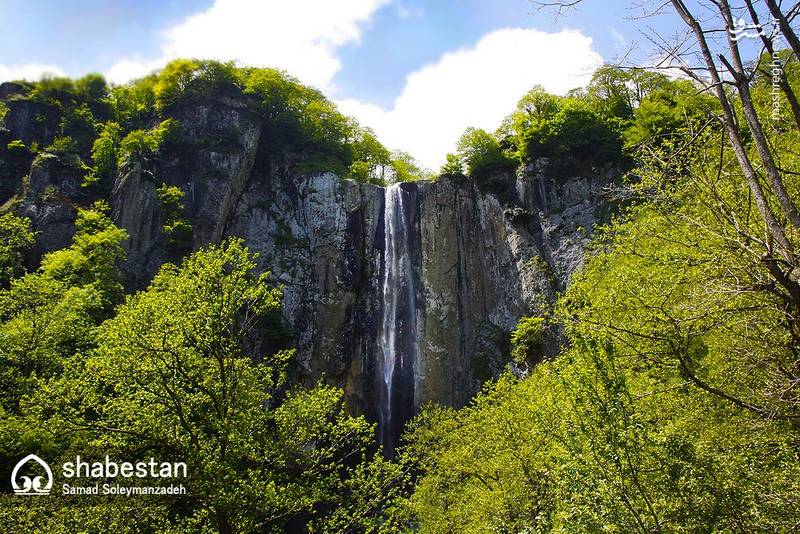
[
  {"x": 476, "y": 86},
  {"x": 299, "y": 36},
  {"x": 409, "y": 12},
  {"x": 619, "y": 40},
  {"x": 30, "y": 71}
]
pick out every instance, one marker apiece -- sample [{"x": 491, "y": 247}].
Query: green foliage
[
  {"x": 177, "y": 228},
  {"x": 408, "y": 169},
  {"x": 17, "y": 148},
  {"x": 189, "y": 78},
  {"x": 482, "y": 155},
  {"x": 526, "y": 339},
  {"x": 170, "y": 376},
  {"x": 133, "y": 104},
  {"x": 16, "y": 237},
  {"x": 669, "y": 111},
  {"x": 62, "y": 146},
  {"x": 91, "y": 88},
  {"x": 143, "y": 145},
  {"x": 361, "y": 171},
  {"x": 78, "y": 124},
  {"x": 56, "y": 91},
  {"x": 670, "y": 407},
  {"x": 104, "y": 155},
  {"x": 370, "y": 157},
  {"x": 453, "y": 166},
  {"x": 575, "y": 136},
  {"x": 48, "y": 315},
  {"x": 300, "y": 127},
  {"x": 93, "y": 257}
]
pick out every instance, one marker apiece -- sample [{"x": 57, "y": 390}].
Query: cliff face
[{"x": 481, "y": 260}]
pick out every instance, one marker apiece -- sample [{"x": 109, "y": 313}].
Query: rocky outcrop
[
  {"x": 49, "y": 199},
  {"x": 482, "y": 259},
  {"x": 489, "y": 260}
]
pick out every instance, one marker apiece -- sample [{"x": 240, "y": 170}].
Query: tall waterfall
[{"x": 398, "y": 337}]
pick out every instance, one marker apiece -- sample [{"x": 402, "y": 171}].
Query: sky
[{"x": 417, "y": 72}]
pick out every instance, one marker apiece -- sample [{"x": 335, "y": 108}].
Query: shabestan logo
[{"x": 26, "y": 485}]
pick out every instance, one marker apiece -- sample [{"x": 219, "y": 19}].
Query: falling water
[{"x": 398, "y": 338}]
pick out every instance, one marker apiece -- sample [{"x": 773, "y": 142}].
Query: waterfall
[{"x": 398, "y": 336}]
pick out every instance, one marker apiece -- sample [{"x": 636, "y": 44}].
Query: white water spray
[{"x": 398, "y": 338}]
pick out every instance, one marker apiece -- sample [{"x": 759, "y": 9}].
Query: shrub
[
  {"x": 482, "y": 155},
  {"x": 189, "y": 78},
  {"x": 17, "y": 148},
  {"x": 526, "y": 339},
  {"x": 62, "y": 145},
  {"x": 141, "y": 145},
  {"x": 177, "y": 228},
  {"x": 104, "y": 154},
  {"x": 453, "y": 166}
]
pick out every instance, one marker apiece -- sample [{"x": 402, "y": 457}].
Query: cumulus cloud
[
  {"x": 300, "y": 37},
  {"x": 29, "y": 71},
  {"x": 476, "y": 86}
]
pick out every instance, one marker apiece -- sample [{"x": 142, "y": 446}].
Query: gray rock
[{"x": 483, "y": 259}]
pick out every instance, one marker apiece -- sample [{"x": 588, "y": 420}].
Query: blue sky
[{"x": 418, "y": 72}]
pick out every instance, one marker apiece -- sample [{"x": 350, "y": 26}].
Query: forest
[{"x": 672, "y": 404}]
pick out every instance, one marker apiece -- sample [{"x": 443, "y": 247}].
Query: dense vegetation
[
  {"x": 98, "y": 128},
  {"x": 588, "y": 131},
  {"x": 673, "y": 406},
  {"x": 165, "y": 373}
]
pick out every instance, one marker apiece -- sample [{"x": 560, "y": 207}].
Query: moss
[
  {"x": 538, "y": 264},
  {"x": 226, "y": 140},
  {"x": 285, "y": 238},
  {"x": 16, "y": 147}
]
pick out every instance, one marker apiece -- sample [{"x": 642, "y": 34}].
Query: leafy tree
[
  {"x": 481, "y": 153},
  {"x": 453, "y": 166},
  {"x": 104, "y": 155},
  {"x": 133, "y": 104},
  {"x": 408, "y": 169},
  {"x": 672, "y": 406},
  {"x": 16, "y": 237},
  {"x": 370, "y": 157},
  {"x": 527, "y": 338},
  {"x": 177, "y": 228},
  {"x": 189, "y": 78},
  {"x": 171, "y": 377},
  {"x": 49, "y": 314},
  {"x": 575, "y": 136},
  {"x": 143, "y": 145}
]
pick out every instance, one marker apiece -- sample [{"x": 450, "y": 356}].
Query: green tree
[
  {"x": 171, "y": 376},
  {"x": 453, "y": 166},
  {"x": 482, "y": 155},
  {"x": 177, "y": 227},
  {"x": 16, "y": 237}
]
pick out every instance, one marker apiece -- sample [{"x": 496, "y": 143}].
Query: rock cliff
[{"x": 481, "y": 259}]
